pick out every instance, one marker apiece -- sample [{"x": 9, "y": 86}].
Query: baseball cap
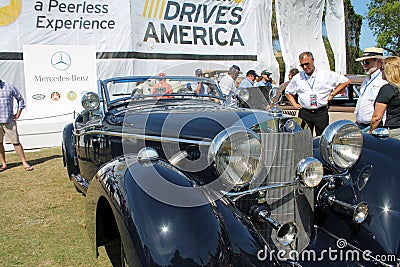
[
  {"x": 266, "y": 72},
  {"x": 235, "y": 68},
  {"x": 252, "y": 72},
  {"x": 198, "y": 72}
]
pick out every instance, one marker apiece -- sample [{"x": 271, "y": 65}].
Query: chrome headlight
[
  {"x": 244, "y": 94},
  {"x": 236, "y": 153},
  {"x": 341, "y": 144},
  {"x": 310, "y": 171},
  {"x": 90, "y": 101}
]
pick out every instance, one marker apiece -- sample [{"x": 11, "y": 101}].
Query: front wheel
[{"x": 116, "y": 253}]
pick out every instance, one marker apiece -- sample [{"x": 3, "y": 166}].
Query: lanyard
[
  {"x": 311, "y": 85},
  {"x": 367, "y": 84}
]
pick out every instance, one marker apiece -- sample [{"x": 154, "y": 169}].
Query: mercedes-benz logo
[
  {"x": 61, "y": 60},
  {"x": 275, "y": 96}
]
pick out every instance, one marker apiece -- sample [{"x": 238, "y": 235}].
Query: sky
[{"x": 366, "y": 38}]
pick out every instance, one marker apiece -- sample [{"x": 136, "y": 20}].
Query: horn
[
  {"x": 285, "y": 233},
  {"x": 359, "y": 211}
]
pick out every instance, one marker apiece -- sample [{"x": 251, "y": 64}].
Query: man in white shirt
[
  {"x": 314, "y": 88},
  {"x": 227, "y": 85},
  {"x": 371, "y": 61}
]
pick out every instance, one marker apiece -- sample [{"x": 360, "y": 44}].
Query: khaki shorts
[{"x": 9, "y": 130}]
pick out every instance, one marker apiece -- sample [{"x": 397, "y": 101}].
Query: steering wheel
[
  {"x": 183, "y": 90},
  {"x": 136, "y": 93}
]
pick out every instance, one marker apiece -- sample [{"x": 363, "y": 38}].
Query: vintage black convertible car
[{"x": 173, "y": 177}]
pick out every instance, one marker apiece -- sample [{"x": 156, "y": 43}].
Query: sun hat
[{"x": 371, "y": 52}]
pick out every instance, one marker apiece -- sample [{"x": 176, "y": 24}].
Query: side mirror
[{"x": 90, "y": 101}]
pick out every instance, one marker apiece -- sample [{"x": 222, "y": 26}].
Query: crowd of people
[{"x": 311, "y": 89}]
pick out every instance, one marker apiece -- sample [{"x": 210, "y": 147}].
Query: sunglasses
[
  {"x": 365, "y": 62},
  {"x": 304, "y": 64}
]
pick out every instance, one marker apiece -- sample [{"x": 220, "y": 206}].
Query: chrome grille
[{"x": 281, "y": 153}]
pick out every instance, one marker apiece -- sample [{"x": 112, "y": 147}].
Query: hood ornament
[{"x": 275, "y": 96}]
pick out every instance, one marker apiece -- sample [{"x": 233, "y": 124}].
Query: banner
[
  {"x": 56, "y": 76},
  {"x": 335, "y": 28},
  {"x": 159, "y": 26},
  {"x": 195, "y": 27},
  {"x": 104, "y": 24},
  {"x": 144, "y": 36},
  {"x": 300, "y": 29}
]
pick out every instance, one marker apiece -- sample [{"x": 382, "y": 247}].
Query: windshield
[{"x": 160, "y": 87}]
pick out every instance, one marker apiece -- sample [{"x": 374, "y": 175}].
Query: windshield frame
[{"x": 105, "y": 85}]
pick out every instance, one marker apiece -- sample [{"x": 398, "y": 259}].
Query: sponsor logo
[
  {"x": 60, "y": 60},
  {"x": 71, "y": 95},
  {"x": 38, "y": 96},
  {"x": 9, "y": 11},
  {"x": 55, "y": 96},
  {"x": 215, "y": 24}
]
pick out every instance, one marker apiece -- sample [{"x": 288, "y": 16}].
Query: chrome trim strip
[
  {"x": 236, "y": 196},
  {"x": 88, "y": 126},
  {"x": 146, "y": 137}
]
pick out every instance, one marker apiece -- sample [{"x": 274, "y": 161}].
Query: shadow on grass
[{"x": 33, "y": 161}]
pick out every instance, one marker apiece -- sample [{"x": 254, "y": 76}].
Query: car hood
[{"x": 189, "y": 122}]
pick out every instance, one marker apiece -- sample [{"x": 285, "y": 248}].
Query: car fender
[
  {"x": 68, "y": 150},
  {"x": 375, "y": 179},
  {"x": 155, "y": 233}
]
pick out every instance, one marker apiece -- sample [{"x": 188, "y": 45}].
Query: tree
[
  {"x": 329, "y": 53},
  {"x": 353, "y": 24},
  {"x": 384, "y": 21}
]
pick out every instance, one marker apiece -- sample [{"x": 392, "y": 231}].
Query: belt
[{"x": 316, "y": 110}]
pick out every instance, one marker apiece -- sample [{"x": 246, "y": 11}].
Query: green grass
[{"x": 42, "y": 216}]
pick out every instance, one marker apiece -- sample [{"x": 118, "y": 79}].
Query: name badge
[{"x": 313, "y": 101}]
